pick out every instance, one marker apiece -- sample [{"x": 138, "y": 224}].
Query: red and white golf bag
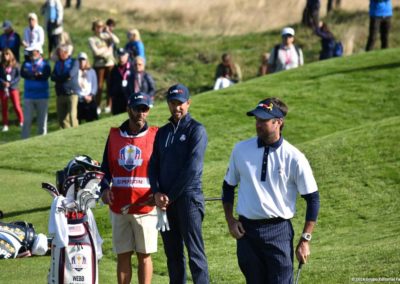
[
  {"x": 76, "y": 243},
  {"x": 77, "y": 261}
]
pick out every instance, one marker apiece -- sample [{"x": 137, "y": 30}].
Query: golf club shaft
[
  {"x": 298, "y": 273},
  {"x": 212, "y": 199}
]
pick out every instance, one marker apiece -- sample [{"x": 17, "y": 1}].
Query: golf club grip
[{"x": 300, "y": 265}]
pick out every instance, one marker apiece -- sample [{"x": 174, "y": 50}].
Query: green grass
[{"x": 343, "y": 114}]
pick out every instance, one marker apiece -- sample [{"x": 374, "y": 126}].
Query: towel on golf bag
[{"x": 19, "y": 239}]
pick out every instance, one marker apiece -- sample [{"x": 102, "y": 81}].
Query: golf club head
[
  {"x": 91, "y": 181},
  {"x": 50, "y": 189},
  {"x": 69, "y": 188}
]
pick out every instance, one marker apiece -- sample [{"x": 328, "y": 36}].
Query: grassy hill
[
  {"x": 190, "y": 59},
  {"x": 343, "y": 114}
]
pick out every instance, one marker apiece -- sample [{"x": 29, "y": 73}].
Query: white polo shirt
[{"x": 287, "y": 173}]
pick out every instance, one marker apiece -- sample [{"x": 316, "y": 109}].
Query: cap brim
[
  {"x": 178, "y": 98},
  {"x": 260, "y": 114},
  {"x": 139, "y": 103}
]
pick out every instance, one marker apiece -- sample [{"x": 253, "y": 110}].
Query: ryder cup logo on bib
[{"x": 130, "y": 157}]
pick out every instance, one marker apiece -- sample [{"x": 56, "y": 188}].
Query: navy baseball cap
[
  {"x": 266, "y": 110},
  {"x": 178, "y": 92},
  {"x": 122, "y": 51},
  {"x": 137, "y": 99}
]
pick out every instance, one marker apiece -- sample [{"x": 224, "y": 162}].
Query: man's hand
[
  {"x": 162, "y": 200},
  {"x": 236, "y": 228},
  {"x": 107, "y": 196},
  {"x": 303, "y": 251}
]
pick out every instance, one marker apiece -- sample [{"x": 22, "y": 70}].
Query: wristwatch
[{"x": 306, "y": 236}]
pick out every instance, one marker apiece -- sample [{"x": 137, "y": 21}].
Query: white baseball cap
[
  {"x": 82, "y": 55},
  {"x": 287, "y": 31},
  {"x": 32, "y": 16}
]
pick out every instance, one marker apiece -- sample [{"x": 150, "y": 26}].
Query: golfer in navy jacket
[
  {"x": 175, "y": 171},
  {"x": 270, "y": 172}
]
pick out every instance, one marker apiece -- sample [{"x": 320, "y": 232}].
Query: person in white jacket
[{"x": 53, "y": 12}]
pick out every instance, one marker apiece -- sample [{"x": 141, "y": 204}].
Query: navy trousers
[
  {"x": 185, "y": 217},
  {"x": 265, "y": 252}
]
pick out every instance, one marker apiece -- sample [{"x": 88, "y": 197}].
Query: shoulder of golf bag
[
  {"x": 20, "y": 235},
  {"x": 77, "y": 166}
]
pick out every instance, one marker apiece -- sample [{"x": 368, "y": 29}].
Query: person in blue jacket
[
  {"x": 380, "y": 14},
  {"x": 36, "y": 72},
  {"x": 10, "y": 39},
  {"x": 175, "y": 172},
  {"x": 65, "y": 76}
]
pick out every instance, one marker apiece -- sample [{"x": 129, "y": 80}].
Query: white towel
[{"x": 58, "y": 225}]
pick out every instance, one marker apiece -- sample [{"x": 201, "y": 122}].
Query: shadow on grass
[
  {"x": 369, "y": 68},
  {"x": 33, "y": 210}
]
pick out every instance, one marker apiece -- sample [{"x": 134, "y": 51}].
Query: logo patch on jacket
[{"x": 130, "y": 157}]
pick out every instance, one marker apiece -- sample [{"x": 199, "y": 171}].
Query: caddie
[
  {"x": 125, "y": 162},
  {"x": 270, "y": 173}
]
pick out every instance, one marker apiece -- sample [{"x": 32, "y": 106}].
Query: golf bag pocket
[{"x": 77, "y": 262}]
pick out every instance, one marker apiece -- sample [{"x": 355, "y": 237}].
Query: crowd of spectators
[{"x": 117, "y": 69}]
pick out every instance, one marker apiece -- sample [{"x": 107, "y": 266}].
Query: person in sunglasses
[{"x": 125, "y": 162}]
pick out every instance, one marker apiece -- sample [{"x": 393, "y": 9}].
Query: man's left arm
[
  {"x": 303, "y": 247},
  {"x": 194, "y": 163}
]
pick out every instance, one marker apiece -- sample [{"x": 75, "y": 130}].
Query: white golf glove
[{"x": 162, "y": 220}]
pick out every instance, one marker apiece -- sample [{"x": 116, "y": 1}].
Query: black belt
[{"x": 261, "y": 221}]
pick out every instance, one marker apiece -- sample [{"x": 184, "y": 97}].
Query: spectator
[
  {"x": 65, "y": 76},
  {"x": 311, "y": 13},
  {"x": 380, "y": 14},
  {"x": 110, "y": 26},
  {"x": 121, "y": 82},
  {"x": 33, "y": 34},
  {"x": 9, "y": 79},
  {"x": 101, "y": 45},
  {"x": 10, "y": 39},
  {"x": 36, "y": 72},
  {"x": 65, "y": 39},
  {"x": 327, "y": 41},
  {"x": 330, "y": 5},
  {"x": 263, "y": 69},
  {"x": 53, "y": 12},
  {"x": 135, "y": 45},
  {"x": 144, "y": 82},
  {"x": 87, "y": 89},
  {"x": 175, "y": 172},
  {"x": 68, "y": 4},
  {"x": 227, "y": 73},
  {"x": 125, "y": 164},
  {"x": 286, "y": 55}
]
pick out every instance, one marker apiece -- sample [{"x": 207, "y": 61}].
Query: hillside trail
[{"x": 222, "y": 17}]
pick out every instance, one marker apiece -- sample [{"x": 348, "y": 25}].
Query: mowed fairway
[{"x": 344, "y": 115}]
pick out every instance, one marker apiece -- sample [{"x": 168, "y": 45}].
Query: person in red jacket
[{"x": 125, "y": 162}]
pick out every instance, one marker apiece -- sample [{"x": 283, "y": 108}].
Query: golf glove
[{"x": 162, "y": 220}]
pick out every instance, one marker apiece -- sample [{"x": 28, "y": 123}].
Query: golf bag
[
  {"x": 76, "y": 243},
  {"x": 76, "y": 262},
  {"x": 19, "y": 239}
]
